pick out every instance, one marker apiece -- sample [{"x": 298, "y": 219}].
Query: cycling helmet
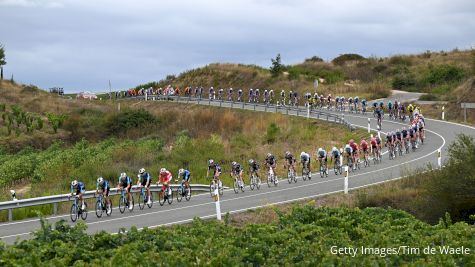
[
  {"x": 163, "y": 170},
  {"x": 334, "y": 148},
  {"x": 100, "y": 180},
  {"x": 302, "y": 154},
  {"x": 234, "y": 163},
  {"x": 210, "y": 162},
  {"x": 74, "y": 183},
  {"x": 287, "y": 153},
  {"x": 320, "y": 149},
  {"x": 351, "y": 141},
  {"x": 290, "y": 91},
  {"x": 181, "y": 171},
  {"x": 403, "y": 128},
  {"x": 265, "y": 90},
  {"x": 141, "y": 171},
  {"x": 269, "y": 155},
  {"x": 251, "y": 161},
  {"x": 123, "y": 175}
]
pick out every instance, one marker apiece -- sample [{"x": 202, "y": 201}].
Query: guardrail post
[
  {"x": 443, "y": 113},
  {"x": 265, "y": 108},
  {"x": 254, "y": 106},
  {"x": 55, "y": 208},
  {"x": 308, "y": 111},
  {"x": 242, "y": 104},
  {"x": 439, "y": 158},
  {"x": 10, "y": 215},
  {"x": 346, "y": 180},
  {"x": 369, "y": 125},
  {"x": 218, "y": 205},
  {"x": 287, "y": 111}
]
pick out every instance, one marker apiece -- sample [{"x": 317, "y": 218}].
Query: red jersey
[
  {"x": 354, "y": 146},
  {"x": 165, "y": 177},
  {"x": 364, "y": 144}
]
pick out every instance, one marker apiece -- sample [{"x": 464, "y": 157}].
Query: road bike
[
  {"x": 165, "y": 195},
  {"x": 366, "y": 159},
  {"x": 291, "y": 175},
  {"x": 216, "y": 184},
  {"x": 271, "y": 178},
  {"x": 101, "y": 206},
  {"x": 306, "y": 172},
  {"x": 323, "y": 168},
  {"x": 391, "y": 151},
  {"x": 406, "y": 146},
  {"x": 124, "y": 202},
  {"x": 357, "y": 164},
  {"x": 238, "y": 184},
  {"x": 76, "y": 211},
  {"x": 399, "y": 148},
  {"x": 183, "y": 190},
  {"x": 254, "y": 181},
  {"x": 143, "y": 199},
  {"x": 349, "y": 163}
]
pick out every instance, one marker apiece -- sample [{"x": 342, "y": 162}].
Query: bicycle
[
  {"x": 213, "y": 185},
  {"x": 306, "y": 173},
  {"x": 349, "y": 163},
  {"x": 291, "y": 175},
  {"x": 143, "y": 199},
  {"x": 165, "y": 195},
  {"x": 323, "y": 168},
  {"x": 124, "y": 202},
  {"x": 406, "y": 146},
  {"x": 392, "y": 153},
  {"x": 238, "y": 184},
  {"x": 366, "y": 159},
  {"x": 254, "y": 182},
  {"x": 271, "y": 178},
  {"x": 337, "y": 166},
  {"x": 77, "y": 212},
  {"x": 101, "y": 206},
  {"x": 357, "y": 164},
  {"x": 183, "y": 190},
  {"x": 399, "y": 148}
]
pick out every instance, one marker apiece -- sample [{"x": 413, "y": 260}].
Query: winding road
[{"x": 439, "y": 135}]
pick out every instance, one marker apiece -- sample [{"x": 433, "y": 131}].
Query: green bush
[
  {"x": 442, "y": 74},
  {"x": 272, "y": 132},
  {"x": 304, "y": 237},
  {"x": 403, "y": 81},
  {"x": 314, "y": 59},
  {"x": 129, "y": 119},
  {"x": 342, "y": 59}
]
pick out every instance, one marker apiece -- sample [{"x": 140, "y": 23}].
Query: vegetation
[
  {"x": 305, "y": 236},
  {"x": 2, "y": 60},
  {"x": 276, "y": 68},
  {"x": 342, "y": 59}
]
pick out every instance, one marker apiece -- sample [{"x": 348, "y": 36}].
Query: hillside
[
  {"x": 436, "y": 73},
  {"x": 306, "y": 236}
]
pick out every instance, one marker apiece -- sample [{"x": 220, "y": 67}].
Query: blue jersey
[
  {"x": 144, "y": 178},
  {"x": 103, "y": 186},
  {"x": 186, "y": 175},
  {"x": 124, "y": 182},
  {"x": 80, "y": 188}
]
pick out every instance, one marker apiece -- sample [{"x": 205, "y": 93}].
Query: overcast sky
[{"x": 81, "y": 44}]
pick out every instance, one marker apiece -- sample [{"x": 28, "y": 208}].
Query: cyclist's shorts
[
  {"x": 420, "y": 129},
  {"x": 365, "y": 149},
  {"x": 122, "y": 185},
  {"x": 320, "y": 158},
  {"x": 80, "y": 191},
  {"x": 164, "y": 186},
  {"x": 106, "y": 191},
  {"x": 143, "y": 182},
  {"x": 186, "y": 178}
]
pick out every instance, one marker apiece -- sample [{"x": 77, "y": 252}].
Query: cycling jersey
[
  {"x": 165, "y": 177},
  {"x": 186, "y": 175},
  {"x": 290, "y": 158},
  {"x": 305, "y": 157},
  {"x": 270, "y": 160},
  {"x": 104, "y": 186},
  {"x": 411, "y": 132},
  {"x": 378, "y": 140},
  {"x": 336, "y": 153},
  {"x": 145, "y": 179},
  {"x": 79, "y": 188},
  {"x": 373, "y": 142},
  {"x": 389, "y": 138},
  {"x": 404, "y": 133},
  {"x": 390, "y": 105},
  {"x": 125, "y": 182},
  {"x": 322, "y": 154},
  {"x": 216, "y": 169},
  {"x": 364, "y": 145},
  {"x": 398, "y": 135},
  {"x": 236, "y": 169},
  {"x": 348, "y": 150},
  {"x": 354, "y": 146},
  {"x": 254, "y": 166}
]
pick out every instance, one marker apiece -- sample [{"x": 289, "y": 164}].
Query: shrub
[
  {"x": 272, "y": 132},
  {"x": 56, "y": 120},
  {"x": 440, "y": 74},
  {"x": 403, "y": 81},
  {"x": 314, "y": 59},
  {"x": 342, "y": 59},
  {"x": 129, "y": 119},
  {"x": 276, "y": 67},
  {"x": 400, "y": 60}
]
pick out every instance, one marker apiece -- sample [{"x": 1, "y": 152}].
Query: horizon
[{"x": 81, "y": 45}]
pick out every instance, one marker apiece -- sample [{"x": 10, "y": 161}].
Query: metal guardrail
[
  {"x": 38, "y": 201},
  {"x": 288, "y": 110}
]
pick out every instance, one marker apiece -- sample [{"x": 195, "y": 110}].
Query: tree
[
  {"x": 2, "y": 60},
  {"x": 276, "y": 67}
]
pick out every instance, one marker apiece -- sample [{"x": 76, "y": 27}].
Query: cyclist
[
  {"x": 125, "y": 183},
  {"x": 266, "y": 96},
  {"x": 363, "y": 105},
  {"x": 305, "y": 160},
  {"x": 410, "y": 109},
  {"x": 236, "y": 170},
  {"x": 390, "y": 109},
  {"x": 104, "y": 187},
  {"x": 329, "y": 99},
  {"x": 289, "y": 161},
  {"x": 322, "y": 156},
  {"x": 296, "y": 98},
  {"x": 420, "y": 125},
  {"x": 145, "y": 181},
  {"x": 389, "y": 141},
  {"x": 375, "y": 107},
  {"x": 399, "y": 138},
  {"x": 271, "y": 162},
  {"x": 282, "y": 97},
  {"x": 374, "y": 146},
  {"x": 220, "y": 94},
  {"x": 254, "y": 168},
  {"x": 216, "y": 170},
  {"x": 379, "y": 116},
  {"x": 257, "y": 94},
  {"x": 364, "y": 148},
  {"x": 251, "y": 95},
  {"x": 405, "y": 136},
  {"x": 336, "y": 154},
  {"x": 211, "y": 93},
  {"x": 378, "y": 142},
  {"x": 355, "y": 148},
  {"x": 350, "y": 103},
  {"x": 348, "y": 152},
  {"x": 164, "y": 179},
  {"x": 357, "y": 100},
  {"x": 79, "y": 188},
  {"x": 413, "y": 135},
  {"x": 271, "y": 95}
]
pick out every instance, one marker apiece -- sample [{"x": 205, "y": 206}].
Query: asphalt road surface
[{"x": 438, "y": 135}]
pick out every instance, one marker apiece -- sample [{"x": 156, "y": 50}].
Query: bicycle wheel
[
  {"x": 170, "y": 197},
  {"x": 269, "y": 180},
  {"x": 74, "y": 212},
  {"x": 241, "y": 185},
  {"x": 258, "y": 184},
  {"x": 179, "y": 194},
  {"x": 161, "y": 198},
  {"x": 335, "y": 168},
  {"x": 220, "y": 188},
  {"x": 141, "y": 201},
  {"x": 289, "y": 177},
  {"x": 99, "y": 208},
  {"x": 294, "y": 177},
  {"x": 84, "y": 212},
  {"x": 322, "y": 171},
  {"x": 188, "y": 193},
  {"x": 122, "y": 204},
  {"x": 211, "y": 188},
  {"x": 304, "y": 175},
  {"x": 149, "y": 205},
  {"x": 275, "y": 181}
]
